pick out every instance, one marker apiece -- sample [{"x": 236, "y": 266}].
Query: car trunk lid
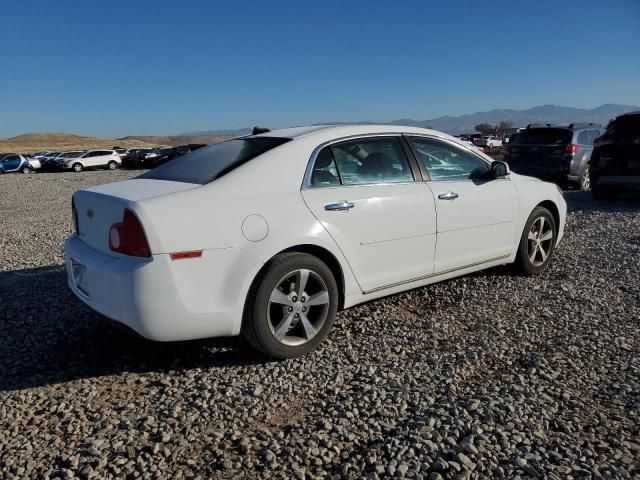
[{"x": 98, "y": 208}]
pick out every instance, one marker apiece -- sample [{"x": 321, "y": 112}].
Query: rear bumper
[{"x": 161, "y": 299}]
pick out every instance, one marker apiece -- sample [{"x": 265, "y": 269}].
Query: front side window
[
  {"x": 363, "y": 161},
  {"x": 446, "y": 162}
]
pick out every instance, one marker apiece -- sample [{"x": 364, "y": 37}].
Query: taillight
[
  {"x": 572, "y": 149},
  {"x": 74, "y": 211},
  {"x": 128, "y": 236}
]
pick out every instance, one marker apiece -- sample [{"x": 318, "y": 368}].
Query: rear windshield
[
  {"x": 625, "y": 128},
  {"x": 206, "y": 164},
  {"x": 543, "y": 136}
]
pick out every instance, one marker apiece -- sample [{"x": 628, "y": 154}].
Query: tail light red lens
[
  {"x": 572, "y": 149},
  {"x": 128, "y": 238},
  {"x": 74, "y": 211}
]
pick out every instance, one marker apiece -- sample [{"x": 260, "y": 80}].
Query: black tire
[
  {"x": 77, "y": 167},
  {"x": 523, "y": 257},
  {"x": 603, "y": 194},
  {"x": 112, "y": 165},
  {"x": 26, "y": 170},
  {"x": 256, "y": 322}
]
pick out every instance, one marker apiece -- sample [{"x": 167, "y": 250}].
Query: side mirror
[{"x": 499, "y": 169}]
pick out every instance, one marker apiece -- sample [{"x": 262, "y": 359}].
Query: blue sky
[{"x": 114, "y": 68}]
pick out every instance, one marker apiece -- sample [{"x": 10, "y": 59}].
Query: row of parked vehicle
[
  {"x": 606, "y": 161},
  {"x": 78, "y": 160}
]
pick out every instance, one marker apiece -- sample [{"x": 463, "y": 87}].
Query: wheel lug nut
[
  {"x": 302, "y": 299},
  {"x": 295, "y": 299},
  {"x": 304, "y": 309},
  {"x": 296, "y": 315}
]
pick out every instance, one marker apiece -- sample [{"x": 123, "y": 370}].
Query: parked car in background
[
  {"x": 93, "y": 159},
  {"x": 49, "y": 159},
  {"x": 509, "y": 140},
  {"x": 65, "y": 156},
  {"x": 160, "y": 156},
  {"x": 490, "y": 142},
  {"x": 39, "y": 155},
  {"x": 615, "y": 161},
  {"x": 270, "y": 234},
  {"x": 135, "y": 157},
  {"x": 553, "y": 152},
  {"x": 164, "y": 154},
  {"x": 13, "y": 162}
]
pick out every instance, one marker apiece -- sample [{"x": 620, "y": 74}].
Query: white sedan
[{"x": 269, "y": 235}]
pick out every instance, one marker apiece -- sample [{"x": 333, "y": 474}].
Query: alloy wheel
[
  {"x": 540, "y": 241},
  {"x": 298, "y": 307},
  {"x": 585, "y": 181}
]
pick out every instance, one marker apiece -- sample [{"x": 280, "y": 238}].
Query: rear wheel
[
  {"x": 112, "y": 165},
  {"x": 26, "y": 170},
  {"x": 537, "y": 242},
  {"x": 77, "y": 167},
  {"x": 291, "y": 306}
]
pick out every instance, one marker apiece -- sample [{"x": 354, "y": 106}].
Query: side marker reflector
[{"x": 183, "y": 255}]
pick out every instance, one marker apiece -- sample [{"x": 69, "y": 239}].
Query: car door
[
  {"x": 101, "y": 158},
  {"x": 11, "y": 163},
  {"x": 364, "y": 193},
  {"x": 476, "y": 214}
]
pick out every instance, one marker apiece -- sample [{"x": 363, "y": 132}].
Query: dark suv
[
  {"x": 615, "y": 162},
  {"x": 552, "y": 152}
]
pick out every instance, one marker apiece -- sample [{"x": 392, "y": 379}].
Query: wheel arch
[
  {"x": 553, "y": 208},
  {"x": 319, "y": 252}
]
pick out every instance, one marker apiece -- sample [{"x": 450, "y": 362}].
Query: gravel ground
[{"x": 489, "y": 375}]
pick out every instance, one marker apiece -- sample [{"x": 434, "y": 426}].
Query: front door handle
[
  {"x": 448, "y": 196},
  {"x": 339, "y": 207}
]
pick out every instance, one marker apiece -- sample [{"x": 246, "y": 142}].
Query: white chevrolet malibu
[{"x": 269, "y": 235}]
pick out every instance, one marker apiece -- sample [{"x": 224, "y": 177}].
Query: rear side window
[
  {"x": 583, "y": 138},
  {"x": 360, "y": 162},
  {"x": 208, "y": 163},
  {"x": 543, "y": 136},
  {"x": 625, "y": 128}
]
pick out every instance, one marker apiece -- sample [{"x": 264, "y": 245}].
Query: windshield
[
  {"x": 543, "y": 136},
  {"x": 208, "y": 163}
]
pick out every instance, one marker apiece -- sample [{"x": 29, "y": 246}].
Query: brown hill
[
  {"x": 32, "y": 142},
  {"x": 177, "y": 139}
]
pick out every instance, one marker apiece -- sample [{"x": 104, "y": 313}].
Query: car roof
[{"x": 339, "y": 131}]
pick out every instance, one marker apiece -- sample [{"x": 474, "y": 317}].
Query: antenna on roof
[{"x": 259, "y": 130}]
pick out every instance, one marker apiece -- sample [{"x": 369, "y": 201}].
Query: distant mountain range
[{"x": 466, "y": 123}]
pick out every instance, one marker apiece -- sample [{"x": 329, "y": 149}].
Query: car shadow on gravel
[
  {"x": 48, "y": 336},
  {"x": 584, "y": 201}
]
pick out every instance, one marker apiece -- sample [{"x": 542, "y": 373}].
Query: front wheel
[
  {"x": 291, "y": 306},
  {"x": 77, "y": 167},
  {"x": 537, "y": 242},
  {"x": 26, "y": 170},
  {"x": 112, "y": 165}
]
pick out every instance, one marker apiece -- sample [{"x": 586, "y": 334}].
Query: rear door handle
[
  {"x": 448, "y": 196},
  {"x": 339, "y": 207}
]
